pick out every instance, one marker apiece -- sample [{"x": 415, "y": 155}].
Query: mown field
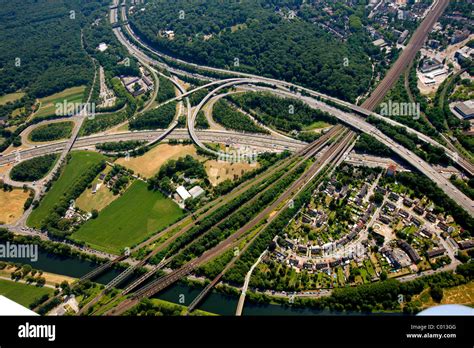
[
  {"x": 80, "y": 161},
  {"x": 150, "y": 163},
  {"x": 70, "y": 95},
  {"x": 22, "y": 293},
  {"x": 128, "y": 220},
  {"x": 12, "y": 205},
  {"x": 89, "y": 201}
]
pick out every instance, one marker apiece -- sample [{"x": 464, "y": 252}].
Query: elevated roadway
[
  {"x": 260, "y": 142},
  {"x": 415, "y": 43},
  {"x": 362, "y": 125}
]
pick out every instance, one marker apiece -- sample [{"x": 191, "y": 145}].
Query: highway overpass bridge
[
  {"x": 260, "y": 142},
  {"x": 361, "y": 110}
]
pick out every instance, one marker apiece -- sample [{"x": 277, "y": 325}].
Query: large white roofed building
[{"x": 183, "y": 193}]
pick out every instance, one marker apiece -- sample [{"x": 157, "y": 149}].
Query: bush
[{"x": 436, "y": 293}]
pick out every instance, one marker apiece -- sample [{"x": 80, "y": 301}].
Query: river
[{"x": 179, "y": 293}]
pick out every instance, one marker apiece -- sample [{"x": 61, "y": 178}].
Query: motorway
[
  {"x": 306, "y": 152},
  {"x": 260, "y": 142},
  {"x": 350, "y": 119},
  {"x": 407, "y": 56}
]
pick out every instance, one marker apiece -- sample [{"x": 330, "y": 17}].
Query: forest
[
  {"x": 281, "y": 113},
  {"x": 252, "y": 36},
  {"x": 231, "y": 118},
  {"x": 159, "y": 118},
  {"x": 40, "y": 50},
  {"x": 52, "y": 131},
  {"x": 113, "y": 58}
]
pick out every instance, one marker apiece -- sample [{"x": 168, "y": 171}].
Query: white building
[
  {"x": 102, "y": 47},
  {"x": 183, "y": 193},
  {"x": 196, "y": 191}
]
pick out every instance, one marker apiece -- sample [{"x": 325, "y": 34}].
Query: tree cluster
[
  {"x": 52, "y": 131},
  {"x": 158, "y": 118},
  {"x": 33, "y": 169},
  {"x": 231, "y": 118},
  {"x": 281, "y": 113}
]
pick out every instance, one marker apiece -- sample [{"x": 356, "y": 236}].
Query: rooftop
[{"x": 183, "y": 193}]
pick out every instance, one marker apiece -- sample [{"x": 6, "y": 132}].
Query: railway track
[
  {"x": 207, "y": 211},
  {"x": 407, "y": 56},
  {"x": 168, "y": 242},
  {"x": 330, "y": 155},
  {"x": 216, "y": 280}
]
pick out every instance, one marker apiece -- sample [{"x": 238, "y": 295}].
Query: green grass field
[
  {"x": 21, "y": 293},
  {"x": 80, "y": 161},
  {"x": 70, "y": 95},
  {"x": 138, "y": 213},
  {"x": 317, "y": 125},
  {"x": 10, "y": 97}
]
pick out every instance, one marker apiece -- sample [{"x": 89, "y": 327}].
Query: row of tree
[{"x": 119, "y": 146}]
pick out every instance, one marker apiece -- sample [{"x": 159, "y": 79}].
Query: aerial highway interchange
[{"x": 319, "y": 158}]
